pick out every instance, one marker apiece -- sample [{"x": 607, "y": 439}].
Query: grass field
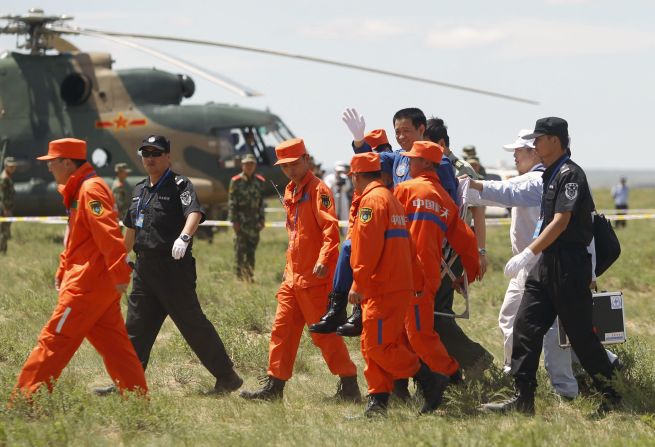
[{"x": 178, "y": 412}]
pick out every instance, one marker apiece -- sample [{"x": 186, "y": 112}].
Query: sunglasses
[{"x": 148, "y": 154}]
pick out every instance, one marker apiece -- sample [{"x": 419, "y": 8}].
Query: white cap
[
  {"x": 520, "y": 141},
  {"x": 341, "y": 166}
]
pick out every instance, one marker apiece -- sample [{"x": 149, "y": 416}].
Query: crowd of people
[{"x": 415, "y": 235}]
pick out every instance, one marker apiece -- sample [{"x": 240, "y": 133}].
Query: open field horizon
[{"x": 179, "y": 413}]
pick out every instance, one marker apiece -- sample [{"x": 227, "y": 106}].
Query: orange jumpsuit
[
  {"x": 432, "y": 214},
  {"x": 92, "y": 264},
  {"x": 381, "y": 260},
  {"x": 302, "y": 298}
]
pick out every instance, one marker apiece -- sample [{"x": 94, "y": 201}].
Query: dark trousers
[
  {"x": 165, "y": 287},
  {"x": 558, "y": 285},
  {"x": 458, "y": 345},
  {"x": 623, "y": 208}
]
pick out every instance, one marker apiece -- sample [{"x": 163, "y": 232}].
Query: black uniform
[
  {"x": 163, "y": 286},
  {"x": 558, "y": 285}
]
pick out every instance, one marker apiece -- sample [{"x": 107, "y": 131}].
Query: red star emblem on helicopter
[{"x": 120, "y": 122}]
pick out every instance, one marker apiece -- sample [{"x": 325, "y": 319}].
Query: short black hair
[
  {"x": 77, "y": 162},
  {"x": 371, "y": 175},
  {"x": 412, "y": 113},
  {"x": 436, "y": 130}
]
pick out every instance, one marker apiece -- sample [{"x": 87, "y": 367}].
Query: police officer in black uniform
[
  {"x": 559, "y": 283},
  {"x": 161, "y": 221}
]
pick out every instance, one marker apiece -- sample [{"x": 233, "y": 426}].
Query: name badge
[
  {"x": 537, "y": 229},
  {"x": 139, "y": 220}
]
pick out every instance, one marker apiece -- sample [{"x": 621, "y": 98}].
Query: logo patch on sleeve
[
  {"x": 96, "y": 208},
  {"x": 365, "y": 215},
  {"x": 185, "y": 198},
  {"x": 326, "y": 201},
  {"x": 571, "y": 190}
]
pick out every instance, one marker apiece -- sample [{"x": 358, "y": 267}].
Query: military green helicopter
[{"x": 50, "y": 89}]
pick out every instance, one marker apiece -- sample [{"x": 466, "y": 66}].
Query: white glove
[
  {"x": 518, "y": 262},
  {"x": 179, "y": 248},
  {"x": 355, "y": 123}
]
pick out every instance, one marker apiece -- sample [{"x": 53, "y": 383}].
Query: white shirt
[{"x": 620, "y": 194}]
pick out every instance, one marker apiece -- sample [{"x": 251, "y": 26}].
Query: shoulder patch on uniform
[
  {"x": 401, "y": 169},
  {"x": 326, "y": 201},
  {"x": 571, "y": 190},
  {"x": 365, "y": 214},
  {"x": 260, "y": 177},
  {"x": 96, "y": 208},
  {"x": 185, "y": 198},
  {"x": 236, "y": 177}
]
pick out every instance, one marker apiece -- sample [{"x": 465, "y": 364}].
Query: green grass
[{"x": 178, "y": 413}]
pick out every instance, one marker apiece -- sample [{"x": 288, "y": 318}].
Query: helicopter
[{"x": 51, "y": 89}]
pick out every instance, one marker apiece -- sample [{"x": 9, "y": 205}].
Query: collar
[
  {"x": 431, "y": 174},
  {"x": 538, "y": 167},
  {"x": 300, "y": 186},
  {"x": 548, "y": 173},
  {"x": 371, "y": 186},
  {"x": 70, "y": 189}
]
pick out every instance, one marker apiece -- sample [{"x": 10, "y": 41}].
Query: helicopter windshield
[{"x": 260, "y": 141}]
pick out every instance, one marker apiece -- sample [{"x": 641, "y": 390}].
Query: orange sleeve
[
  {"x": 403, "y": 195},
  {"x": 323, "y": 208},
  {"x": 367, "y": 241},
  {"x": 97, "y": 204},
  {"x": 462, "y": 239}
]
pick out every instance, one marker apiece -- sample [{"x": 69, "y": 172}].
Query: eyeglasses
[{"x": 147, "y": 154}]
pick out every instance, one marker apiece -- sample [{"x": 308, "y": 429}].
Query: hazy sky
[{"x": 590, "y": 62}]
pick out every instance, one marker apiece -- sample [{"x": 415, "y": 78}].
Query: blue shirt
[{"x": 400, "y": 172}]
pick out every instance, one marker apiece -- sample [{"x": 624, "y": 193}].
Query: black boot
[
  {"x": 522, "y": 401},
  {"x": 353, "y": 325},
  {"x": 377, "y": 405},
  {"x": 432, "y": 386},
  {"x": 335, "y": 316},
  {"x": 347, "y": 389},
  {"x": 228, "y": 383},
  {"x": 272, "y": 389},
  {"x": 401, "y": 390},
  {"x": 611, "y": 396},
  {"x": 457, "y": 378}
]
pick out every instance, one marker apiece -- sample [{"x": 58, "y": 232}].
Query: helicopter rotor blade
[
  {"x": 60, "y": 44},
  {"x": 317, "y": 60},
  {"x": 215, "y": 78}
]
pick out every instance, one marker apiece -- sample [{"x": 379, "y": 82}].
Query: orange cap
[
  {"x": 65, "y": 148},
  {"x": 425, "y": 149},
  {"x": 290, "y": 150},
  {"x": 376, "y": 138},
  {"x": 365, "y": 162}
]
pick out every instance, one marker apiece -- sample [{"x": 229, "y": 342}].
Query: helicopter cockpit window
[
  {"x": 234, "y": 143},
  {"x": 100, "y": 157}
]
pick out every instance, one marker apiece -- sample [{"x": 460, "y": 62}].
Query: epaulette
[
  {"x": 260, "y": 177},
  {"x": 236, "y": 177},
  {"x": 142, "y": 181},
  {"x": 180, "y": 180}
]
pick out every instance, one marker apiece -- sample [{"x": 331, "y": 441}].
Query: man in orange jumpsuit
[
  {"x": 383, "y": 283},
  {"x": 432, "y": 215},
  {"x": 93, "y": 273},
  {"x": 303, "y": 296}
]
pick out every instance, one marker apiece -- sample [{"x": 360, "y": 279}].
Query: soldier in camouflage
[
  {"x": 7, "y": 193},
  {"x": 121, "y": 189},
  {"x": 246, "y": 212}
]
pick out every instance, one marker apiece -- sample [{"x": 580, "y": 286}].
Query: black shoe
[
  {"x": 348, "y": 390},
  {"x": 457, "y": 378},
  {"x": 377, "y": 405},
  {"x": 522, "y": 401},
  {"x": 353, "y": 325},
  {"x": 228, "y": 383},
  {"x": 335, "y": 316},
  {"x": 272, "y": 389},
  {"x": 105, "y": 390},
  {"x": 401, "y": 390},
  {"x": 432, "y": 386}
]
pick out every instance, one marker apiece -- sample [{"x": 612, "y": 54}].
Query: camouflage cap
[
  {"x": 248, "y": 158},
  {"x": 10, "y": 161},
  {"x": 122, "y": 167},
  {"x": 469, "y": 149}
]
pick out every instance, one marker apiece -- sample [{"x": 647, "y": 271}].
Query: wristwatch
[
  {"x": 185, "y": 237},
  {"x": 482, "y": 251}
]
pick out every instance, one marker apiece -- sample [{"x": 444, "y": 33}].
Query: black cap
[
  {"x": 551, "y": 126},
  {"x": 157, "y": 141}
]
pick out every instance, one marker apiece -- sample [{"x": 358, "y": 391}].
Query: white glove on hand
[
  {"x": 179, "y": 248},
  {"x": 355, "y": 123},
  {"x": 518, "y": 262}
]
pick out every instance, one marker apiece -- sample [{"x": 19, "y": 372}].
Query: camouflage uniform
[
  {"x": 246, "y": 208},
  {"x": 123, "y": 196},
  {"x": 7, "y": 193}
]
